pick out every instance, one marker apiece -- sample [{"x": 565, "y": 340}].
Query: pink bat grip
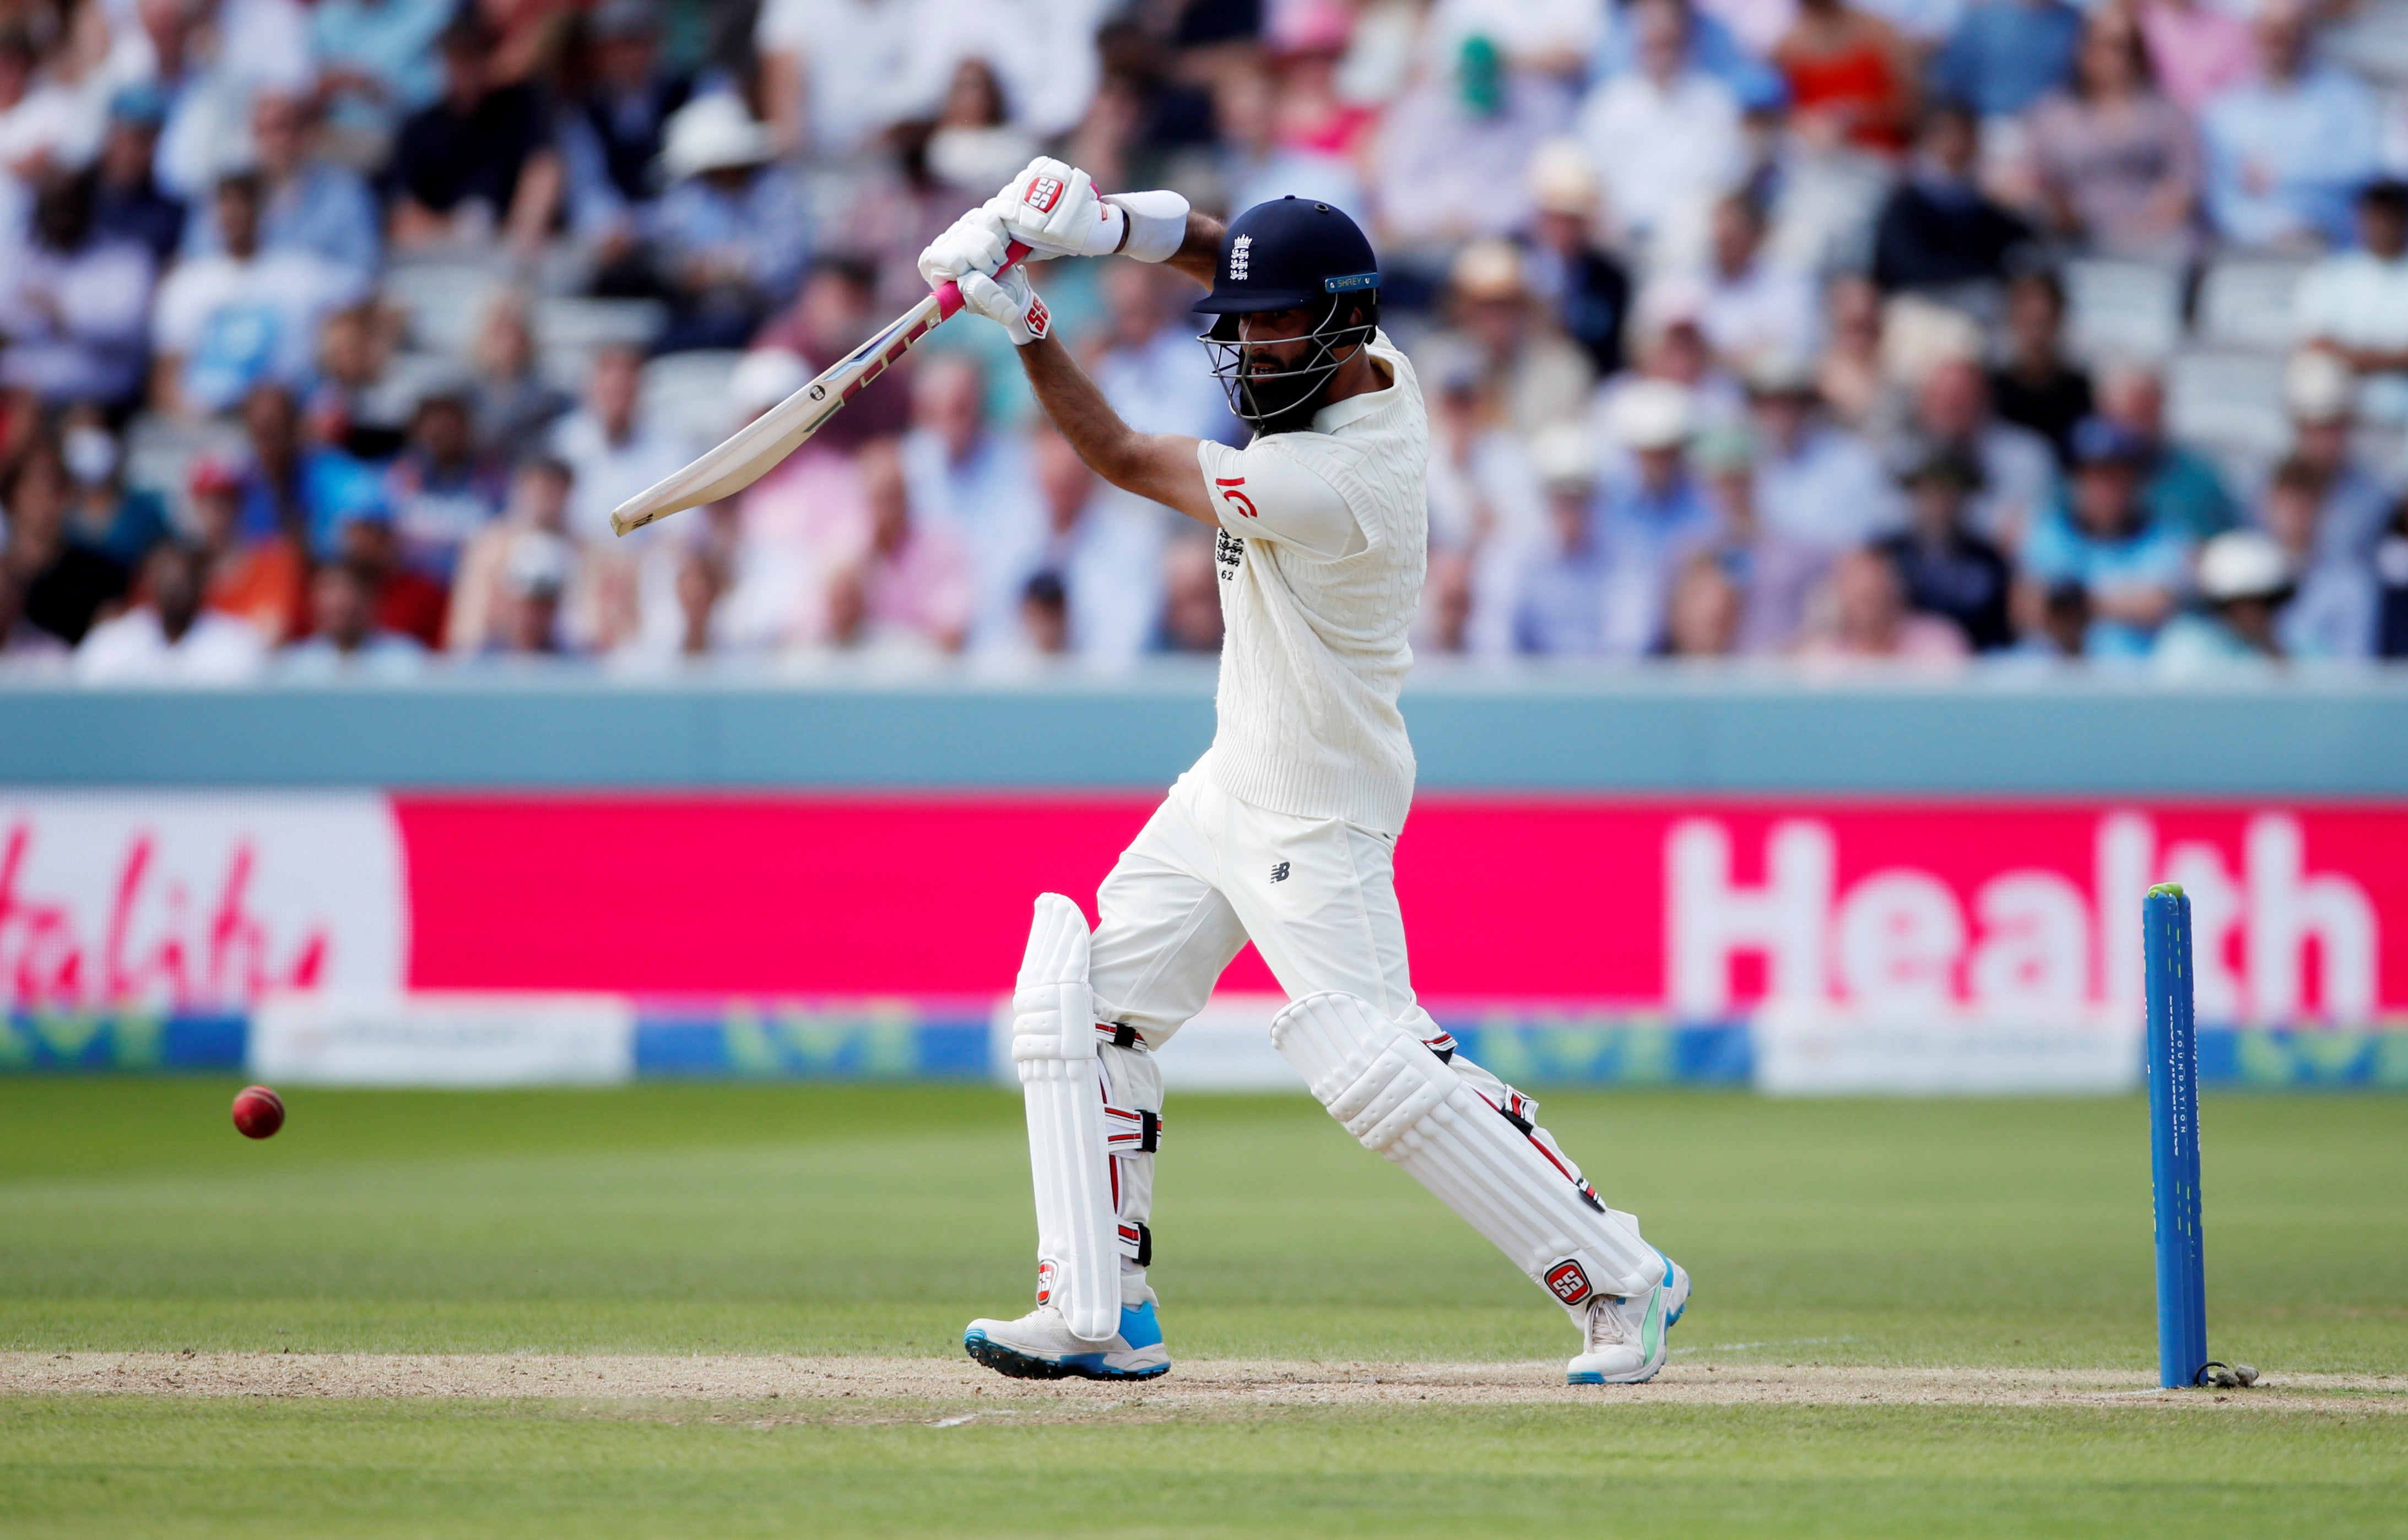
[{"x": 948, "y": 295}]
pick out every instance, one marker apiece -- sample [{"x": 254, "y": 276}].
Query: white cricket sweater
[{"x": 1314, "y": 648}]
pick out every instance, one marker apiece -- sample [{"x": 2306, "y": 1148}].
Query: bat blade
[{"x": 754, "y": 449}]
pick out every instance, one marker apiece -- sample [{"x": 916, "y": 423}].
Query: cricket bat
[{"x": 749, "y": 452}]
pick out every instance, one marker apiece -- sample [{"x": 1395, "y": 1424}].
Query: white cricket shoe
[
  {"x": 1039, "y": 1346},
  {"x": 1627, "y": 1335}
]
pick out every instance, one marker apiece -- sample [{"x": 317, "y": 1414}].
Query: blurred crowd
[{"x": 1838, "y": 329}]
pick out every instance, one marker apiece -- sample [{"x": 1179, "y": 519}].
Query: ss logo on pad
[{"x": 1569, "y": 1282}]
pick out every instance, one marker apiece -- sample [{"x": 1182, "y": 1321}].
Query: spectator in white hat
[
  {"x": 2019, "y": 476},
  {"x": 1651, "y": 511},
  {"x": 1774, "y": 573},
  {"x": 2245, "y": 582},
  {"x": 1560, "y": 594},
  {"x": 2321, "y": 392},
  {"x": 536, "y": 570},
  {"x": 1529, "y": 374},
  {"x": 731, "y": 236},
  {"x": 1568, "y": 265}
]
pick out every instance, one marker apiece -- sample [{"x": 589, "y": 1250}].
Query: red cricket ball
[{"x": 258, "y": 1112}]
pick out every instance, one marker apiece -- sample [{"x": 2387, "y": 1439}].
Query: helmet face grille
[{"x": 1283, "y": 399}]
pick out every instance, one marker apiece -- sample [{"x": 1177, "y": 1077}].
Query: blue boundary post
[{"x": 2173, "y": 1136}]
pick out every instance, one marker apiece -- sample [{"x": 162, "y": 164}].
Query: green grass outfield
[{"x": 875, "y": 1221}]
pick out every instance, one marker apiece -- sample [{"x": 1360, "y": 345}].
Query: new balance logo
[
  {"x": 1241, "y": 250},
  {"x": 1279, "y": 873}
]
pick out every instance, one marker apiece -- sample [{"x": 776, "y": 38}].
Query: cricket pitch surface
[{"x": 1203, "y": 1385}]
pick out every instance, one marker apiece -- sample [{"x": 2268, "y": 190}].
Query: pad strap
[{"x": 1132, "y": 1131}]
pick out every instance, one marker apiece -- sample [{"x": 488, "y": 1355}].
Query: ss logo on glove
[{"x": 1043, "y": 194}]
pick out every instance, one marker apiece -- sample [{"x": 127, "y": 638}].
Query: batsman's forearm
[
  {"x": 1162, "y": 466},
  {"x": 1201, "y": 250}
]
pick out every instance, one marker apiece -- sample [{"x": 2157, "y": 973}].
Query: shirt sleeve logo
[{"x": 1231, "y": 495}]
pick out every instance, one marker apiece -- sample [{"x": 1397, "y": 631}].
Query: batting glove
[
  {"x": 974, "y": 243},
  {"x": 1052, "y": 208},
  {"x": 1009, "y": 301}
]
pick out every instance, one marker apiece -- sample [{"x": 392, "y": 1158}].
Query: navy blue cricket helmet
[{"x": 1290, "y": 254}]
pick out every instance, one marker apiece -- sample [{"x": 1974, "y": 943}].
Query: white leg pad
[
  {"x": 1054, "y": 1047},
  {"x": 1396, "y": 1096}
]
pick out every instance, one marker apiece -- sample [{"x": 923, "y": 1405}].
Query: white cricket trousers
[{"x": 1206, "y": 874}]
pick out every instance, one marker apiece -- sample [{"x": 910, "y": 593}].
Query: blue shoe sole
[
  {"x": 1670, "y": 1321},
  {"x": 1599, "y": 1379},
  {"x": 1004, "y": 1360}
]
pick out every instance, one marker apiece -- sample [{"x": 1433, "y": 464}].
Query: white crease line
[{"x": 1743, "y": 1347}]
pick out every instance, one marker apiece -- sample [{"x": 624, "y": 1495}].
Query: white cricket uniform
[{"x": 1285, "y": 832}]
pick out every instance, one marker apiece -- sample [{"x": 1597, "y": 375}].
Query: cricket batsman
[{"x": 1285, "y": 832}]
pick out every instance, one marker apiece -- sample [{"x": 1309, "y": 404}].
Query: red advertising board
[{"x": 1698, "y": 907}]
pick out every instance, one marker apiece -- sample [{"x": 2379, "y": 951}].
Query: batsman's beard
[{"x": 1282, "y": 397}]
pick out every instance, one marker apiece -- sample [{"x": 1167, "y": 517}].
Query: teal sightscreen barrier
[
  {"x": 1527, "y": 730},
  {"x": 2173, "y": 1138}
]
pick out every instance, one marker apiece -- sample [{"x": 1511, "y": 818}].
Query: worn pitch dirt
[{"x": 1193, "y": 1384}]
